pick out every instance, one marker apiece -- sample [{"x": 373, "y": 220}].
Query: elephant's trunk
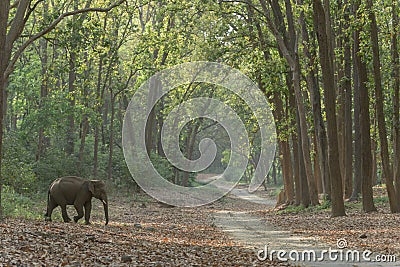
[{"x": 105, "y": 205}]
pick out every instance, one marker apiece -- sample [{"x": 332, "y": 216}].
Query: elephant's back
[
  {"x": 71, "y": 179},
  {"x": 67, "y": 186}
]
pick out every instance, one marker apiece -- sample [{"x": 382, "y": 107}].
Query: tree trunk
[
  {"x": 284, "y": 150},
  {"x": 305, "y": 192},
  {"x": 317, "y": 168},
  {"x": 296, "y": 168},
  {"x": 396, "y": 91},
  {"x": 304, "y": 137},
  {"x": 273, "y": 174},
  {"x": 150, "y": 133},
  {"x": 4, "y": 58},
  {"x": 2, "y": 88},
  {"x": 111, "y": 140},
  {"x": 326, "y": 59},
  {"x": 70, "y": 146},
  {"x": 348, "y": 132},
  {"x": 366, "y": 157},
  {"x": 84, "y": 132},
  {"x": 190, "y": 141},
  {"x": 99, "y": 95},
  {"x": 319, "y": 127},
  {"x": 296, "y": 72},
  {"x": 96, "y": 151},
  {"x": 357, "y": 132},
  {"x": 71, "y": 91},
  {"x": 288, "y": 48},
  {"x": 291, "y": 114},
  {"x": 387, "y": 168},
  {"x": 43, "y": 90}
]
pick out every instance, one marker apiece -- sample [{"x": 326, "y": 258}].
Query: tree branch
[
  {"x": 31, "y": 9},
  {"x": 17, "y": 24},
  {"x": 50, "y": 28},
  {"x": 15, "y": 4}
]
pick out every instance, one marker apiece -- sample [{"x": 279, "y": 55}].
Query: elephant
[{"x": 72, "y": 190}]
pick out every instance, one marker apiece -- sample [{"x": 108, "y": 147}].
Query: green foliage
[
  {"x": 326, "y": 205},
  {"x": 353, "y": 205},
  {"x": 16, "y": 165},
  {"x": 18, "y": 205},
  {"x": 163, "y": 167},
  {"x": 121, "y": 176},
  {"x": 381, "y": 200},
  {"x": 56, "y": 164},
  {"x": 292, "y": 209},
  {"x": 276, "y": 191}
]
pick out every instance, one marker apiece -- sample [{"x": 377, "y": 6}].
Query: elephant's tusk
[{"x": 104, "y": 202}]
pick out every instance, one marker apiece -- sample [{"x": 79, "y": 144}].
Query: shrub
[
  {"x": 17, "y": 205},
  {"x": 16, "y": 167}
]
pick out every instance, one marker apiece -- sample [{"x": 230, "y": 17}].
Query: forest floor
[
  {"x": 141, "y": 232},
  {"x": 228, "y": 232}
]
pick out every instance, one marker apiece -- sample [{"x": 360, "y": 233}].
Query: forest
[{"x": 329, "y": 71}]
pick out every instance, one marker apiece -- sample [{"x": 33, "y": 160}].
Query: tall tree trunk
[
  {"x": 279, "y": 115},
  {"x": 84, "y": 132},
  {"x": 284, "y": 150},
  {"x": 296, "y": 167},
  {"x": 387, "y": 168},
  {"x": 284, "y": 155},
  {"x": 273, "y": 174},
  {"x": 366, "y": 157},
  {"x": 4, "y": 58},
  {"x": 317, "y": 168},
  {"x": 340, "y": 116},
  {"x": 288, "y": 49},
  {"x": 396, "y": 92},
  {"x": 357, "y": 132},
  {"x": 71, "y": 91},
  {"x": 190, "y": 141},
  {"x": 2, "y": 88},
  {"x": 342, "y": 81},
  {"x": 99, "y": 96},
  {"x": 305, "y": 192},
  {"x": 70, "y": 145},
  {"x": 151, "y": 125},
  {"x": 348, "y": 131},
  {"x": 43, "y": 90},
  {"x": 296, "y": 73},
  {"x": 319, "y": 127},
  {"x": 326, "y": 59},
  {"x": 111, "y": 140},
  {"x": 84, "y": 125},
  {"x": 291, "y": 114}
]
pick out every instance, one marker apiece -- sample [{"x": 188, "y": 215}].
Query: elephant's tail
[{"x": 48, "y": 203}]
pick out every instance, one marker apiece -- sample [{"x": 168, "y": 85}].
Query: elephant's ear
[{"x": 91, "y": 187}]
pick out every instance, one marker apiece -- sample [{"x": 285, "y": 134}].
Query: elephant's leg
[
  {"x": 88, "y": 209},
  {"x": 64, "y": 213},
  {"x": 51, "y": 205},
  {"x": 79, "y": 209}
]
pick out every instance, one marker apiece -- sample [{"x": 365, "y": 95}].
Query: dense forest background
[{"x": 329, "y": 69}]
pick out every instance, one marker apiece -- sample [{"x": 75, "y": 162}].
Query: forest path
[{"x": 248, "y": 228}]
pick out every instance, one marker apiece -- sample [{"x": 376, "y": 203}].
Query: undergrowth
[{"x": 17, "y": 205}]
